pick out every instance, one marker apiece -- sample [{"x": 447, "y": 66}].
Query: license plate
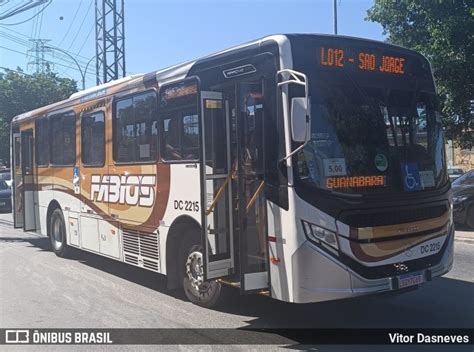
[{"x": 410, "y": 280}]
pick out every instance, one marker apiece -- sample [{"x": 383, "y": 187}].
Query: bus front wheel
[
  {"x": 57, "y": 234},
  {"x": 203, "y": 293}
]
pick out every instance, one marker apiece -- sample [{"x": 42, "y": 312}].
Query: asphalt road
[{"x": 40, "y": 290}]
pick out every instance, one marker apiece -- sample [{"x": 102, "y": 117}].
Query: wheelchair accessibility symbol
[{"x": 411, "y": 177}]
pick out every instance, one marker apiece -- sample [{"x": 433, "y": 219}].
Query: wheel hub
[{"x": 194, "y": 269}]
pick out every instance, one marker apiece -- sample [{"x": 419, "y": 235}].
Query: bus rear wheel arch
[{"x": 183, "y": 230}]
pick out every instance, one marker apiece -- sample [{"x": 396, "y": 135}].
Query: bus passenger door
[
  {"x": 28, "y": 197},
  {"x": 251, "y": 207},
  {"x": 216, "y": 193},
  {"x": 17, "y": 188}
]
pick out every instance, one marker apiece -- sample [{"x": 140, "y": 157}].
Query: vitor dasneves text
[{"x": 424, "y": 338}]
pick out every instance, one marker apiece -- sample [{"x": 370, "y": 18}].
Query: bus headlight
[{"x": 319, "y": 234}]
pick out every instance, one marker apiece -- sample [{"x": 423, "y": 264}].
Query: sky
[{"x": 161, "y": 33}]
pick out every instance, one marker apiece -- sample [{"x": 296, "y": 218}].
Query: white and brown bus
[{"x": 306, "y": 167}]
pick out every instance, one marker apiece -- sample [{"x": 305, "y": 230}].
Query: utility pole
[
  {"x": 39, "y": 49},
  {"x": 110, "y": 40},
  {"x": 335, "y": 17}
]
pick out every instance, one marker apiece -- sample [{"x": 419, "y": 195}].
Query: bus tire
[
  {"x": 57, "y": 234},
  {"x": 206, "y": 294}
]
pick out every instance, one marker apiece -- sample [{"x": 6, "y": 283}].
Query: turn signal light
[{"x": 274, "y": 260}]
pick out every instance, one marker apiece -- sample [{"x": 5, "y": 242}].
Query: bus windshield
[{"x": 371, "y": 139}]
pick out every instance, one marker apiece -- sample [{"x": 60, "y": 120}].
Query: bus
[{"x": 303, "y": 167}]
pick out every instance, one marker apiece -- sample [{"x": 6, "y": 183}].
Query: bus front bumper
[{"x": 319, "y": 277}]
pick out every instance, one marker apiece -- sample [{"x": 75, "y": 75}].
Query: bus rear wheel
[
  {"x": 202, "y": 293},
  {"x": 57, "y": 233}
]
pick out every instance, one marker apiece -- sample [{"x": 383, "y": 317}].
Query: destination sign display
[
  {"x": 180, "y": 91},
  {"x": 179, "y": 94},
  {"x": 362, "y": 60},
  {"x": 355, "y": 181}
]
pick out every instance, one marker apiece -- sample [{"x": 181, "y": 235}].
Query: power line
[
  {"x": 19, "y": 52},
  {"x": 39, "y": 54},
  {"x": 33, "y": 27},
  {"x": 27, "y": 44},
  {"x": 41, "y": 23},
  {"x": 20, "y": 8},
  {"x": 12, "y": 30},
  {"x": 82, "y": 23},
  {"x": 79, "y": 29},
  {"x": 28, "y": 38},
  {"x": 70, "y": 25},
  {"x": 29, "y": 19},
  {"x": 88, "y": 75},
  {"x": 85, "y": 41},
  {"x": 54, "y": 62},
  {"x": 66, "y": 58}
]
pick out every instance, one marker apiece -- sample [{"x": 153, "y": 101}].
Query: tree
[
  {"x": 20, "y": 92},
  {"x": 442, "y": 30}
]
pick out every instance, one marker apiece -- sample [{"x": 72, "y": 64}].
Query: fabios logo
[{"x": 124, "y": 189}]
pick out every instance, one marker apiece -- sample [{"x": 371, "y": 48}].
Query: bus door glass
[
  {"x": 251, "y": 207},
  {"x": 216, "y": 173},
  {"x": 28, "y": 186},
  {"x": 17, "y": 182}
]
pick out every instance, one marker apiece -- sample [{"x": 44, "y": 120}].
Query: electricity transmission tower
[
  {"x": 110, "y": 40},
  {"x": 38, "y": 50}
]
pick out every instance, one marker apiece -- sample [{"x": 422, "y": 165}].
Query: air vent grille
[
  {"x": 392, "y": 216},
  {"x": 141, "y": 249}
]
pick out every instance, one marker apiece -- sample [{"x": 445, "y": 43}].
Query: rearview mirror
[{"x": 300, "y": 120}]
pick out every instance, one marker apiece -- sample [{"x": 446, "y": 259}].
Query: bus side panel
[
  {"x": 183, "y": 200},
  {"x": 279, "y": 276},
  {"x": 132, "y": 194},
  {"x": 64, "y": 190}
]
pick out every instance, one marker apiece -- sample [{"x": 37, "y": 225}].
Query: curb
[{"x": 464, "y": 239}]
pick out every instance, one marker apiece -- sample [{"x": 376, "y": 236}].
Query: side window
[
  {"x": 63, "y": 139},
  {"x": 93, "y": 138},
  {"x": 190, "y": 142},
  {"x": 181, "y": 135},
  {"x": 135, "y": 128},
  {"x": 27, "y": 153},
  {"x": 252, "y": 110},
  {"x": 42, "y": 147},
  {"x": 179, "y": 121},
  {"x": 17, "y": 155}
]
